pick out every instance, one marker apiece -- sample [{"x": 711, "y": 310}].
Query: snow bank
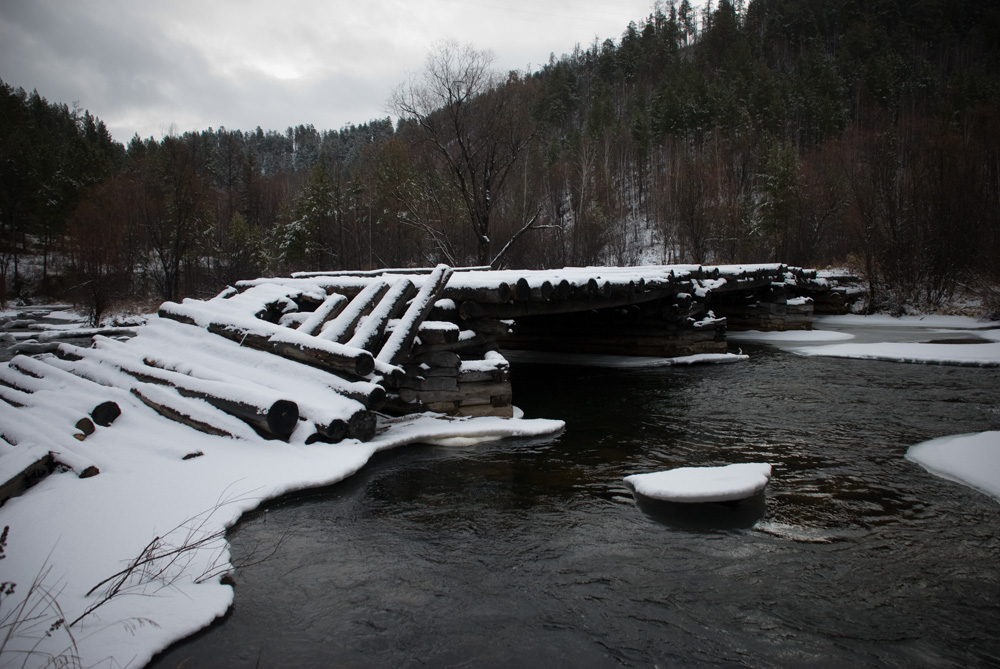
[
  {"x": 703, "y": 484},
  {"x": 986, "y": 354},
  {"x": 945, "y": 340},
  {"x": 969, "y": 459}
]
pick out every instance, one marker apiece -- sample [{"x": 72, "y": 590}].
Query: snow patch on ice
[
  {"x": 986, "y": 354},
  {"x": 969, "y": 459}
]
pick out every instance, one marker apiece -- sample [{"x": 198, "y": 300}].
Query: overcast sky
[{"x": 149, "y": 67}]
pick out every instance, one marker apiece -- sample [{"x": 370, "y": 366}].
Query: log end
[
  {"x": 364, "y": 364},
  {"x": 105, "y": 413},
  {"x": 282, "y": 418}
]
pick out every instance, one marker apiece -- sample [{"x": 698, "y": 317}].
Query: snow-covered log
[
  {"x": 42, "y": 380},
  {"x": 397, "y": 347},
  {"x": 215, "y": 358},
  {"x": 49, "y": 410},
  {"x": 498, "y": 292},
  {"x": 274, "y": 338},
  {"x": 328, "y": 310},
  {"x": 271, "y": 415},
  {"x": 340, "y": 328},
  {"x": 370, "y": 329},
  {"x": 189, "y": 411}
]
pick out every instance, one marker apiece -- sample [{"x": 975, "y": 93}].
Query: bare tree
[{"x": 476, "y": 129}]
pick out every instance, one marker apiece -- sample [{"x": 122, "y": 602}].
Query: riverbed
[{"x": 534, "y": 553}]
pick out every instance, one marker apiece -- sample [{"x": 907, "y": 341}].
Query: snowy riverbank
[
  {"x": 71, "y": 533},
  {"x": 108, "y": 569},
  {"x": 163, "y": 513}
]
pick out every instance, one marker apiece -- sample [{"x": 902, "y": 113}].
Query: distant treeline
[{"x": 811, "y": 132}]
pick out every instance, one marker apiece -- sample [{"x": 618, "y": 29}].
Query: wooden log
[
  {"x": 499, "y": 293},
  {"x": 241, "y": 363},
  {"x": 425, "y": 371},
  {"x": 340, "y": 328},
  {"x": 19, "y": 426},
  {"x": 282, "y": 341},
  {"x": 294, "y": 319},
  {"x": 37, "y": 376},
  {"x": 540, "y": 292},
  {"x": 275, "y": 418},
  {"x": 505, "y": 411},
  {"x": 330, "y": 430},
  {"x": 329, "y": 309},
  {"x": 473, "y": 310},
  {"x": 438, "y": 359},
  {"x": 397, "y": 347},
  {"x": 464, "y": 393},
  {"x": 178, "y": 410},
  {"x": 362, "y": 426},
  {"x": 429, "y": 382},
  {"x": 488, "y": 327},
  {"x": 351, "y": 363},
  {"x": 106, "y": 413},
  {"x": 438, "y": 332},
  {"x": 522, "y": 290},
  {"x": 469, "y": 343},
  {"x": 484, "y": 376},
  {"x": 49, "y": 410},
  {"x": 29, "y": 468},
  {"x": 369, "y": 331}
]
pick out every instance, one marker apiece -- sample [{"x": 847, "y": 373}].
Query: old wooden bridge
[{"x": 334, "y": 355}]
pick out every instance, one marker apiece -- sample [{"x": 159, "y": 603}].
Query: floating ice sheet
[{"x": 703, "y": 484}]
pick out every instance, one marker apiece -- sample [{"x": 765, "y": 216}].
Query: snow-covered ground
[
  {"x": 107, "y": 570},
  {"x": 71, "y": 533}
]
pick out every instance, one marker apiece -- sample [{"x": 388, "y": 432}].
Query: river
[{"x": 533, "y": 553}]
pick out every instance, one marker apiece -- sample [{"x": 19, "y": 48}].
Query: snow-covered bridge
[{"x": 344, "y": 355}]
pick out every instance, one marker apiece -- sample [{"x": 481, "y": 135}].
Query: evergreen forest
[{"x": 847, "y": 133}]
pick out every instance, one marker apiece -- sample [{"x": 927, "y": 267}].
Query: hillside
[{"x": 809, "y": 133}]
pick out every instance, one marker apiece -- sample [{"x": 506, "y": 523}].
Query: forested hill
[{"x": 811, "y": 132}]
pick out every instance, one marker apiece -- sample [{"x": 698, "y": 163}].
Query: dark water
[{"x": 533, "y": 553}]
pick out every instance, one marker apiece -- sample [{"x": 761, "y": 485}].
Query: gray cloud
[{"x": 144, "y": 68}]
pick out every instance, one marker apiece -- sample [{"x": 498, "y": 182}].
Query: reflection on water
[{"x": 535, "y": 553}]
